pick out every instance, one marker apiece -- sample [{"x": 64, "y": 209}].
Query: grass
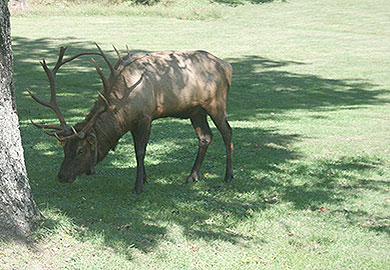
[
  {"x": 179, "y": 9},
  {"x": 309, "y": 107}
]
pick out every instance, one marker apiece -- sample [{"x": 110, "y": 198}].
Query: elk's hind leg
[
  {"x": 219, "y": 118},
  {"x": 199, "y": 122}
]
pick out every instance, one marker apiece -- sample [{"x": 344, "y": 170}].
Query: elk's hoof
[
  {"x": 138, "y": 190},
  {"x": 228, "y": 178},
  {"x": 191, "y": 179}
]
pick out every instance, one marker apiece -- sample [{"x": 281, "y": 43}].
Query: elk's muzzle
[{"x": 65, "y": 179}]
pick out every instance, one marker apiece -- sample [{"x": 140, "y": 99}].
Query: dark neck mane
[
  {"x": 107, "y": 130},
  {"x": 108, "y": 134}
]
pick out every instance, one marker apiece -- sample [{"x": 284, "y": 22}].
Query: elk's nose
[{"x": 65, "y": 178}]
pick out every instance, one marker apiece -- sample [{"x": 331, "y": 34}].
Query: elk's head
[
  {"x": 80, "y": 142},
  {"x": 80, "y": 156}
]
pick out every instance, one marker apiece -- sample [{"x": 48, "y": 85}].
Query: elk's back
[{"x": 176, "y": 83}]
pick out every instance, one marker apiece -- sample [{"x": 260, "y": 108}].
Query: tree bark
[{"x": 18, "y": 212}]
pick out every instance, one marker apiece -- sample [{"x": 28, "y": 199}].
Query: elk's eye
[{"x": 81, "y": 151}]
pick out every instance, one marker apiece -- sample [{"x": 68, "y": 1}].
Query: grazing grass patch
[
  {"x": 309, "y": 107},
  {"x": 184, "y": 10}
]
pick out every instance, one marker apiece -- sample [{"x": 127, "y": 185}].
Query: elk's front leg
[{"x": 141, "y": 137}]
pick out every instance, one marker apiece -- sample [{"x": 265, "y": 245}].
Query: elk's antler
[
  {"x": 117, "y": 53},
  {"x": 103, "y": 96},
  {"x": 51, "y": 74},
  {"x": 113, "y": 73},
  {"x": 62, "y": 131}
]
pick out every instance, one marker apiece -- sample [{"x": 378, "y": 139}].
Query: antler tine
[
  {"x": 51, "y": 76},
  {"x": 75, "y": 134},
  {"x": 128, "y": 51},
  {"x": 45, "y": 126},
  {"x": 112, "y": 70},
  {"x": 37, "y": 99},
  {"x": 78, "y": 55},
  {"x": 59, "y": 61},
  {"x": 117, "y": 53},
  {"x": 53, "y": 103},
  {"x": 63, "y": 139},
  {"x": 104, "y": 99},
  {"x": 104, "y": 80},
  {"x": 79, "y": 135}
]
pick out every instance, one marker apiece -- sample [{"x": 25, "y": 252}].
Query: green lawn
[{"x": 309, "y": 108}]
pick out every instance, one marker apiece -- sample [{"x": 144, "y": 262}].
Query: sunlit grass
[{"x": 183, "y": 10}]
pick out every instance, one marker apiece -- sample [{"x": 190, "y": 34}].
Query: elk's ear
[{"x": 91, "y": 139}]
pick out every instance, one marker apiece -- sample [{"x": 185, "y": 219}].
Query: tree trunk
[{"x": 18, "y": 212}]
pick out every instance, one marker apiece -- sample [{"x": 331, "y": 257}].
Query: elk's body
[{"x": 142, "y": 88}]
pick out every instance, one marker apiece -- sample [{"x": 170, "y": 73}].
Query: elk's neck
[{"x": 108, "y": 132}]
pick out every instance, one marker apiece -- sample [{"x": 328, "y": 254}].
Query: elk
[{"x": 140, "y": 89}]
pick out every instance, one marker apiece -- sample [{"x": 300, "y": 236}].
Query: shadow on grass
[
  {"x": 260, "y": 86},
  {"x": 266, "y": 169}
]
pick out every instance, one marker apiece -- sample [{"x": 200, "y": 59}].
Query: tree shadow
[
  {"x": 259, "y": 86},
  {"x": 104, "y": 203}
]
